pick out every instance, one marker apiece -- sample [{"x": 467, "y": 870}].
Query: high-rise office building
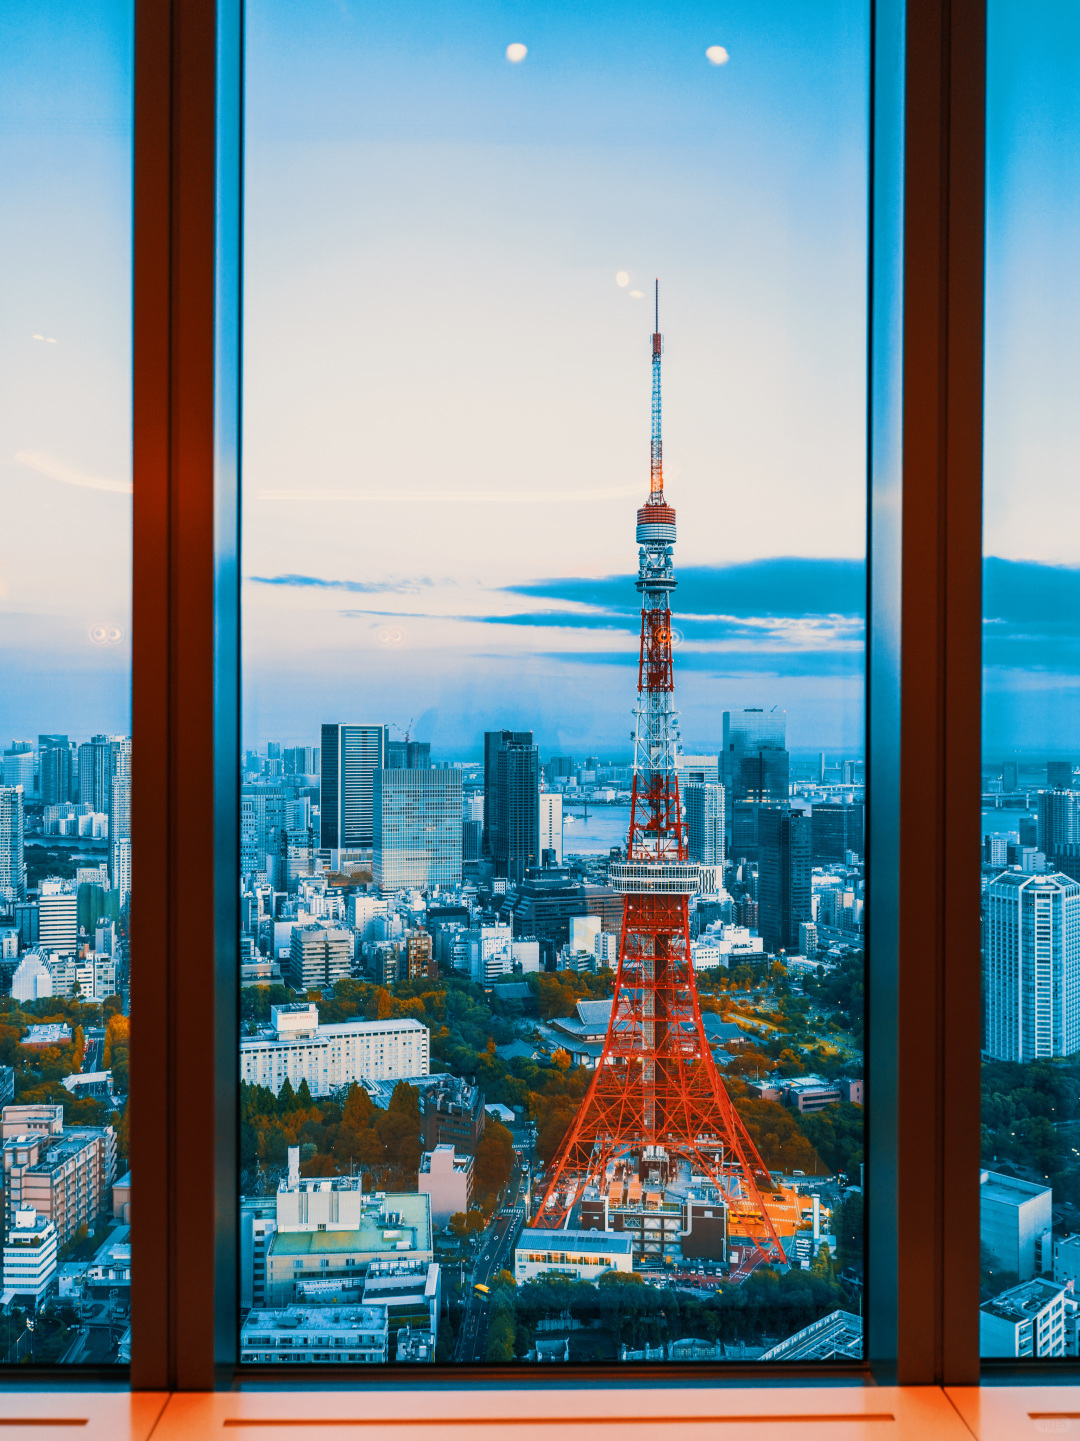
[
  {"x": 299, "y": 760},
  {"x": 494, "y": 741},
  {"x": 1059, "y": 820},
  {"x": 12, "y": 869},
  {"x": 784, "y": 875},
  {"x": 516, "y": 842},
  {"x": 409, "y": 755},
  {"x": 1010, "y": 776},
  {"x": 472, "y": 839},
  {"x": 120, "y": 818},
  {"x": 751, "y": 729},
  {"x": 54, "y": 765},
  {"x": 1032, "y": 966},
  {"x": 764, "y": 776},
  {"x": 835, "y": 829},
  {"x": 551, "y": 828},
  {"x": 262, "y": 812},
  {"x": 19, "y": 767},
  {"x": 705, "y": 822},
  {"x": 349, "y": 757},
  {"x": 96, "y": 772},
  {"x": 1059, "y": 775},
  {"x": 563, "y": 766},
  {"x": 418, "y": 829}
]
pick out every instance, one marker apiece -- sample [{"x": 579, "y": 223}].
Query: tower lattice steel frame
[{"x": 656, "y": 1104}]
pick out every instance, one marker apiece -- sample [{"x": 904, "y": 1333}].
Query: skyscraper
[
  {"x": 1059, "y": 775},
  {"x": 516, "y": 842},
  {"x": 418, "y": 832},
  {"x": 784, "y": 871},
  {"x": 120, "y": 818},
  {"x": 54, "y": 762},
  {"x": 408, "y": 755},
  {"x": 1059, "y": 820},
  {"x": 12, "y": 870},
  {"x": 493, "y": 743},
  {"x": 350, "y": 756},
  {"x": 749, "y": 730},
  {"x": 551, "y": 826},
  {"x": 705, "y": 822},
  {"x": 835, "y": 829},
  {"x": 262, "y": 812},
  {"x": 1032, "y": 966}
]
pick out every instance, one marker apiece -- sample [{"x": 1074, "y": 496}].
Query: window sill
[{"x": 738, "y": 1413}]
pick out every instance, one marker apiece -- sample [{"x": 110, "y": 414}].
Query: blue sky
[
  {"x": 447, "y": 422},
  {"x": 447, "y": 403},
  {"x": 1032, "y": 466}
]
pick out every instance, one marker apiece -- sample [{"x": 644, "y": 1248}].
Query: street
[{"x": 495, "y": 1254}]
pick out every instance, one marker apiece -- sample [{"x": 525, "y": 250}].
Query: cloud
[
  {"x": 45, "y": 464},
  {"x": 362, "y": 587},
  {"x": 1032, "y": 616}
]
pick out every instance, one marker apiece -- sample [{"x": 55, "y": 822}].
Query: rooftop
[
  {"x": 1023, "y": 1302},
  {"x": 593, "y": 1242},
  {"x": 377, "y": 1233},
  {"x": 321, "y": 1319},
  {"x": 1009, "y": 1189}
]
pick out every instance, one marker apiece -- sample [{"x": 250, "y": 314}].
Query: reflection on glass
[
  {"x": 553, "y": 806},
  {"x": 65, "y": 704},
  {"x": 1031, "y": 803}
]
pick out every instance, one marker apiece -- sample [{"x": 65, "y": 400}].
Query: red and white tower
[{"x": 657, "y": 1108}]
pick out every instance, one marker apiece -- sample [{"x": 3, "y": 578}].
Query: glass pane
[
  {"x": 552, "y": 977},
  {"x": 1031, "y": 740},
  {"x": 65, "y": 684}
]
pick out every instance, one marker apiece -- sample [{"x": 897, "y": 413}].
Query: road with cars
[{"x": 495, "y": 1254}]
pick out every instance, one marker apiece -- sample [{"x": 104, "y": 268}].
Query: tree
[{"x": 494, "y": 1159}]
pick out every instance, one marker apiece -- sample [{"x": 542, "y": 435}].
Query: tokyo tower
[{"x": 656, "y": 1116}]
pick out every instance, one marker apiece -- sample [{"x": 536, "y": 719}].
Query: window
[
  {"x": 68, "y": 82},
  {"x": 453, "y": 346},
  {"x": 65, "y": 681},
  {"x": 1030, "y": 1165}
]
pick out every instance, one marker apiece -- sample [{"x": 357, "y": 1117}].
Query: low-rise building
[
  {"x": 1014, "y": 1216},
  {"x": 313, "y": 1334},
  {"x": 584, "y": 1255},
  {"x": 319, "y": 956},
  {"x": 295, "y": 1046},
  {"x": 29, "y": 1256},
  {"x": 390, "y": 1226},
  {"x": 31, "y": 1121},
  {"x": 66, "y": 1178},
  {"x": 451, "y": 1110},
  {"x": 411, "y": 1291},
  {"x": 1028, "y": 1320},
  {"x": 448, "y": 1179}
]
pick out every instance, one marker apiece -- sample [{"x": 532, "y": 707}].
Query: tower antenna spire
[{"x": 656, "y": 464}]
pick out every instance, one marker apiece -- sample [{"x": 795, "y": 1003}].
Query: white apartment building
[
  {"x": 1032, "y": 966},
  {"x": 1028, "y": 1320},
  {"x": 551, "y": 824},
  {"x": 96, "y": 977},
  {"x": 57, "y": 921},
  {"x": 296, "y": 1046},
  {"x": 29, "y": 1255}
]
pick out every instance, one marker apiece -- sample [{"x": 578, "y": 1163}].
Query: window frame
[{"x": 924, "y": 603}]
